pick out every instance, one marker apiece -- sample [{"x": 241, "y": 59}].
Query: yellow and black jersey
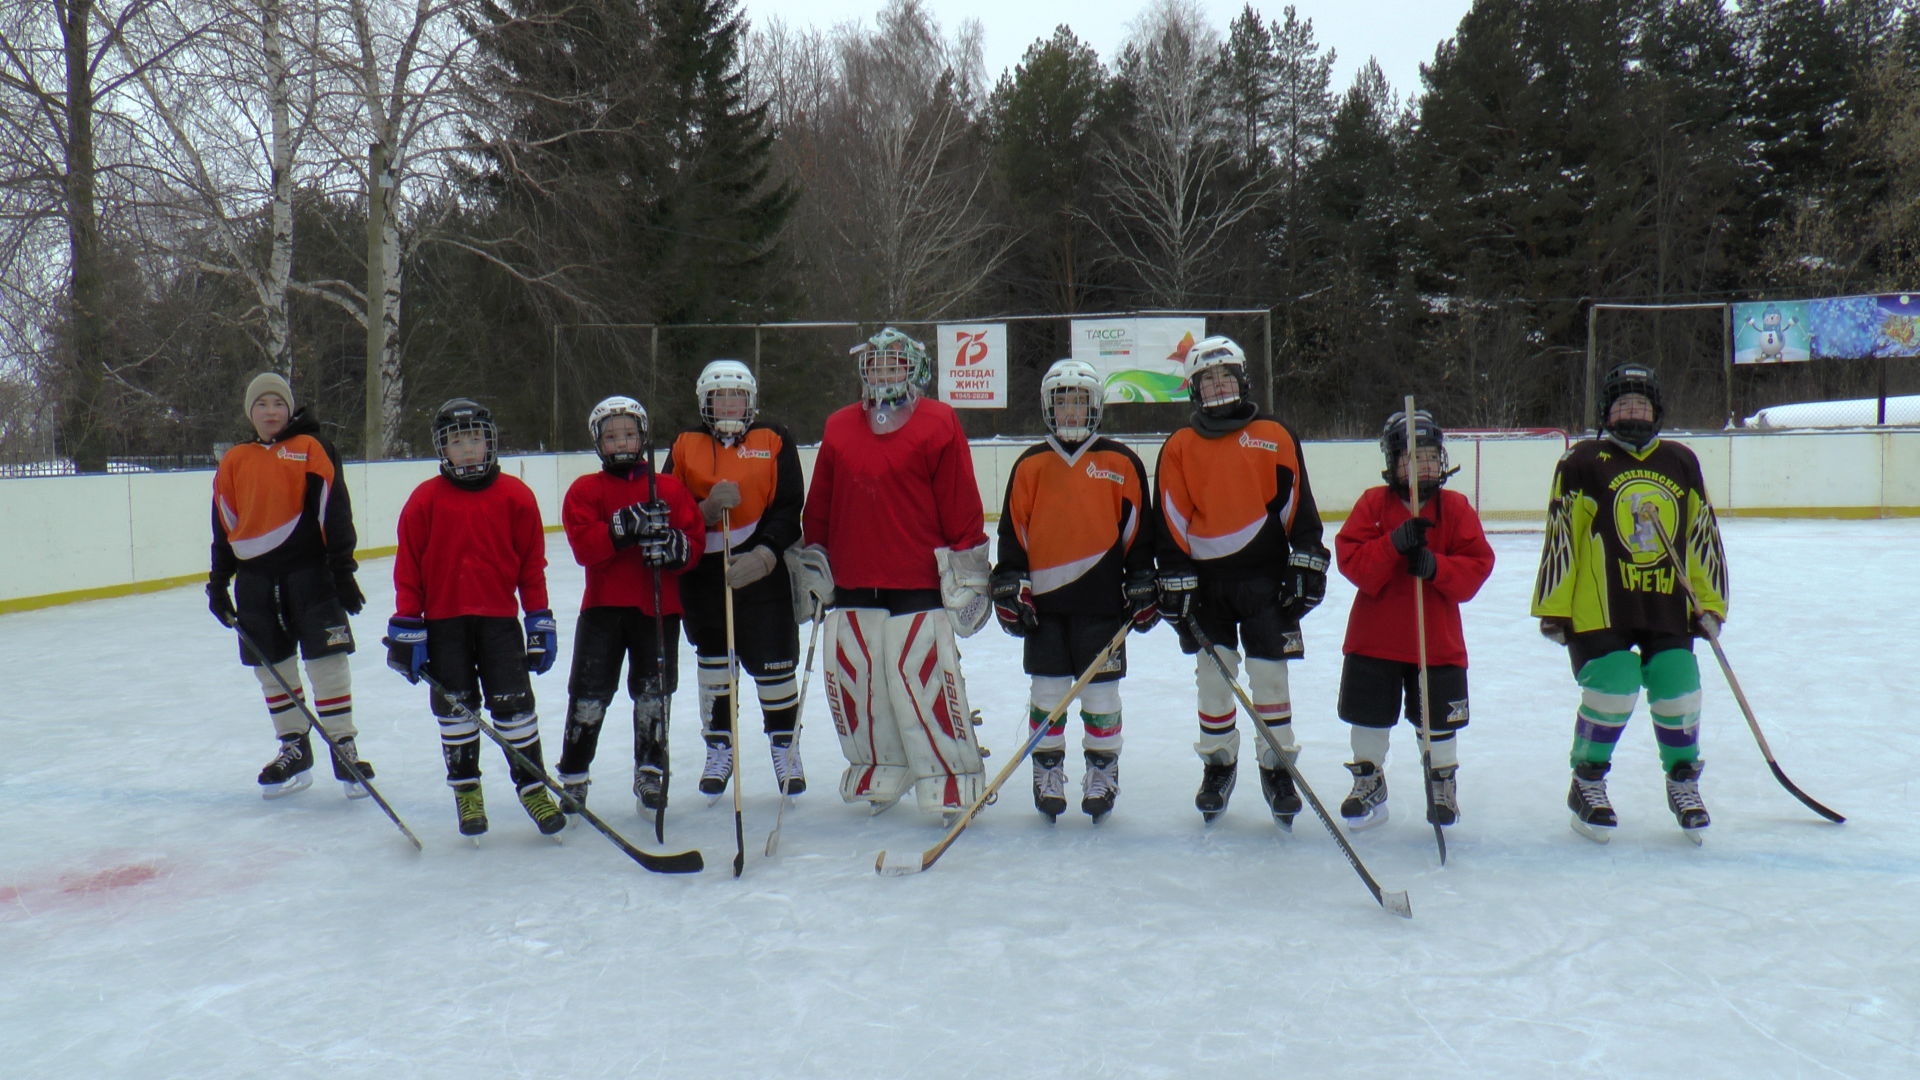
[
  {"x": 1602, "y": 563},
  {"x": 283, "y": 504},
  {"x": 765, "y": 463},
  {"x": 1236, "y": 503},
  {"x": 1075, "y": 522}
]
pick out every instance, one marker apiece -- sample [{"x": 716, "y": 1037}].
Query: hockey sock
[
  {"x": 1445, "y": 751},
  {"x": 584, "y": 716},
  {"x": 463, "y": 758},
  {"x": 1673, "y": 697},
  {"x": 1369, "y": 743},
  {"x": 779, "y": 703},
  {"x": 332, "y": 683},
  {"x": 1056, "y": 736},
  {"x": 521, "y": 729},
  {"x": 1103, "y": 732},
  {"x": 1216, "y": 697},
  {"x": 288, "y": 719},
  {"x": 1272, "y": 703},
  {"x": 1609, "y": 687},
  {"x": 714, "y": 692}
]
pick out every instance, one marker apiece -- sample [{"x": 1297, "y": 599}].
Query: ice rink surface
[{"x": 158, "y": 919}]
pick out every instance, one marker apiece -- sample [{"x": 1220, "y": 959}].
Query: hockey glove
[
  {"x": 724, "y": 497},
  {"x": 1420, "y": 563},
  {"x": 663, "y": 547},
  {"x": 543, "y": 641},
  {"x": 348, "y": 590},
  {"x": 750, "y": 567},
  {"x": 1556, "y": 629},
  {"x": 1177, "y": 588},
  {"x": 1306, "y": 582},
  {"x": 1013, "y": 603},
  {"x": 627, "y": 525},
  {"x": 406, "y": 643},
  {"x": 963, "y": 587},
  {"x": 1411, "y": 535},
  {"x": 812, "y": 578},
  {"x": 220, "y": 602},
  {"x": 1142, "y": 600},
  {"x": 1708, "y": 624}
]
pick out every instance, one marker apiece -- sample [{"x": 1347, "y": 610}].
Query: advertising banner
[
  {"x": 973, "y": 365},
  {"x": 1139, "y": 359},
  {"x": 1775, "y": 332},
  {"x": 1839, "y": 328}
]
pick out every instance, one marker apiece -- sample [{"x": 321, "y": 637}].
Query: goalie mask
[
  {"x": 893, "y": 368},
  {"x": 729, "y": 398},
  {"x": 467, "y": 443},
  {"x": 1638, "y": 424},
  {"x": 618, "y": 449},
  {"x": 1070, "y": 399},
  {"x": 1430, "y": 453},
  {"x": 1216, "y": 373}
]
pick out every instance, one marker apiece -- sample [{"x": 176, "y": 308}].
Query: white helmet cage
[
  {"x": 727, "y": 375},
  {"x": 1216, "y": 352},
  {"x": 606, "y": 410},
  {"x": 893, "y": 367},
  {"x": 1071, "y": 382}
]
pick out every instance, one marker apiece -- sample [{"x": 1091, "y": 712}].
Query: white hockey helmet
[
  {"x": 609, "y": 408},
  {"x": 726, "y": 375},
  {"x": 1069, "y": 383},
  {"x": 1208, "y": 354},
  {"x": 893, "y": 368}
]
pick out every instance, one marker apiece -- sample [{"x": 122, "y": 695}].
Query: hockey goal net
[{"x": 1506, "y": 478}]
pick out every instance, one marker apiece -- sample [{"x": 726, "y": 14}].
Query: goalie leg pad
[
  {"x": 856, "y": 673},
  {"x": 930, "y": 706}
]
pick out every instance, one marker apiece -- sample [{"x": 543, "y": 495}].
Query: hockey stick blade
[{"x": 888, "y": 865}]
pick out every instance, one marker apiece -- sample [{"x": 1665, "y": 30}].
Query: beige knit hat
[{"x": 267, "y": 382}]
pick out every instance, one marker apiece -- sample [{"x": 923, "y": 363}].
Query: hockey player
[
  {"x": 895, "y": 532},
  {"x": 1241, "y": 557},
  {"x": 1387, "y": 553},
  {"x": 283, "y": 536},
  {"x": 635, "y": 533},
  {"x": 1607, "y": 587},
  {"x": 470, "y": 539},
  {"x": 745, "y": 472},
  {"x": 1076, "y": 558}
]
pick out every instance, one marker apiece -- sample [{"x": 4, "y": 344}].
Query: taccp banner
[
  {"x": 973, "y": 365},
  {"x": 1139, "y": 359}
]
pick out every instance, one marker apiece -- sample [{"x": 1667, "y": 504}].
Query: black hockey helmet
[
  {"x": 1631, "y": 377},
  {"x": 457, "y": 416},
  {"x": 1393, "y": 444}
]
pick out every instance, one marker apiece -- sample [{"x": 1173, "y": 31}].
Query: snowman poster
[{"x": 1772, "y": 332}]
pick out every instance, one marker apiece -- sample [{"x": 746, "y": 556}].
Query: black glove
[
  {"x": 1012, "y": 594},
  {"x": 348, "y": 590},
  {"x": 1420, "y": 563},
  {"x": 663, "y": 547},
  {"x": 1306, "y": 583},
  {"x": 1411, "y": 535},
  {"x": 220, "y": 602},
  {"x": 1177, "y": 588},
  {"x": 1141, "y": 596},
  {"x": 627, "y": 525}
]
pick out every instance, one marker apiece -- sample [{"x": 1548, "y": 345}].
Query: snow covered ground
[{"x": 158, "y": 919}]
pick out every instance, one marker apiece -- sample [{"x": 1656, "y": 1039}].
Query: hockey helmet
[
  {"x": 729, "y": 375},
  {"x": 607, "y": 410},
  {"x": 461, "y": 416},
  {"x": 1393, "y": 446},
  {"x": 1226, "y": 355},
  {"x": 893, "y": 367},
  {"x": 1624, "y": 379},
  {"x": 1066, "y": 384}
]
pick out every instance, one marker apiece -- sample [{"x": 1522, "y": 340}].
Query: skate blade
[
  {"x": 1372, "y": 819},
  {"x": 297, "y": 782},
  {"x": 1698, "y": 836},
  {"x": 647, "y": 813},
  {"x": 353, "y": 790},
  {"x": 1285, "y": 821},
  {"x": 1100, "y": 817},
  {"x": 1208, "y": 817},
  {"x": 713, "y": 797},
  {"x": 1596, "y": 833}
]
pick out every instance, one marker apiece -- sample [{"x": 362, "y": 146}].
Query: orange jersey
[
  {"x": 279, "y": 504},
  {"x": 1237, "y": 503},
  {"x": 1075, "y": 523},
  {"x": 765, "y": 463}
]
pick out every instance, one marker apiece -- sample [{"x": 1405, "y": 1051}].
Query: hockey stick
[
  {"x": 1420, "y": 634},
  {"x": 352, "y": 766},
  {"x": 819, "y": 616},
  {"x": 656, "y": 687},
  {"x": 733, "y": 691},
  {"x": 909, "y": 864},
  {"x": 1649, "y": 513},
  {"x": 1395, "y": 902},
  {"x": 681, "y": 862}
]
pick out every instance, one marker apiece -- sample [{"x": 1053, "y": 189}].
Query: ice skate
[
  {"x": 649, "y": 790},
  {"x": 471, "y": 806},
  {"x": 575, "y": 785},
  {"x": 1446, "y": 797},
  {"x": 1683, "y": 798},
  {"x": 1050, "y": 783},
  {"x": 1278, "y": 787},
  {"x": 539, "y": 806},
  {"x": 288, "y": 772},
  {"x": 1217, "y": 778},
  {"x": 1587, "y": 798},
  {"x": 718, "y": 769},
  {"x": 1101, "y": 785},
  {"x": 788, "y": 774},
  {"x": 1366, "y": 805},
  {"x": 345, "y": 751}
]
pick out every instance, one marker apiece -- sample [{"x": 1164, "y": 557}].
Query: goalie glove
[
  {"x": 963, "y": 587},
  {"x": 811, "y": 577},
  {"x": 1013, "y": 603}
]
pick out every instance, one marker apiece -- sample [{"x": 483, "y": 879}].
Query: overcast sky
[{"x": 1401, "y": 34}]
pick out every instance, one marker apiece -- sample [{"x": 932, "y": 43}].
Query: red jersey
[
  {"x": 1381, "y": 624},
  {"x": 621, "y": 578},
  {"x": 467, "y": 552},
  {"x": 881, "y": 503}
]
